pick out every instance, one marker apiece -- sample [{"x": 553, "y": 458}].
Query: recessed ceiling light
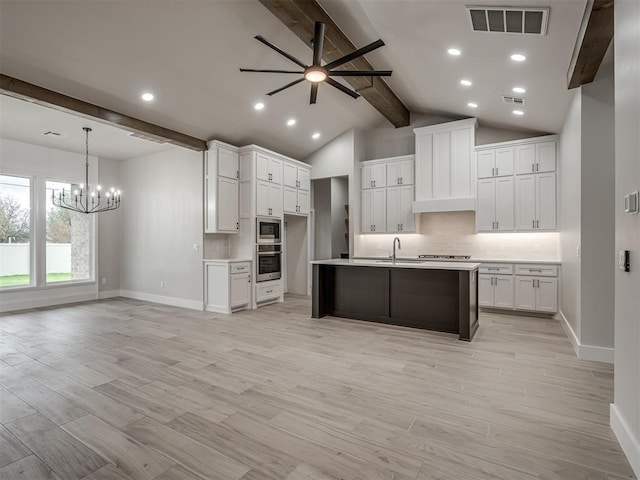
[
  {"x": 472, "y": 105},
  {"x": 147, "y": 96},
  {"x": 315, "y": 136},
  {"x": 259, "y": 106},
  {"x": 291, "y": 122},
  {"x": 454, "y": 51},
  {"x": 518, "y": 89},
  {"x": 466, "y": 83},
  {"x": 518, "y": 112},
  {"x": 518, "y": 57}
]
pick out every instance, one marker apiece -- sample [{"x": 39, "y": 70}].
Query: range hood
[{"x": 445, "y": 167}]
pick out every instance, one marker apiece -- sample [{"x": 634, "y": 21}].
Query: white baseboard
[
  {"x": 586, "y": 352},
  {"x": 108, "y": 294},
  {"x": 629, "y": 443},
  {"x": 173, "y": 301}
]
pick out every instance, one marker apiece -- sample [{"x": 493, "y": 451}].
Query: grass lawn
[{"x": 16, "y": 280}]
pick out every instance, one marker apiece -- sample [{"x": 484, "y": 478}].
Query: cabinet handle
[
  {"x": 249, "y": 279},
  {"x": 401, "y": 227},
  {"x": 269, "y": 291},
  {"x": 374, "y": 183},
  {"x": 533, "y": 223},
  {"x": 537, "y": 167},
  {"x": 535, "y": 270},
  {"x": 496, "y": 171},
  {"x": 493, "y": 268},
  {"x": 237, "y": 173},
  {"x": 537, "y": 223},
  {"x": 237, "y": 226},
  {"x": 374, "y": 228}
]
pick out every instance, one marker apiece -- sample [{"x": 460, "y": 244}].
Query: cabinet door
[
  {"x": 367, "y": 177},
  {"x": 290, "y": 175},
  {"x": 394, "y": 174},
  {"x": 366, "y": 212},
  {"x": 504, "y": 161},
  {"x": 227, "y": 204},
  {"x": 525, "y": 202},
  {"x": 275, "y": 169},
  {"x": 262, "y": 198},
  {"x": 504, "y": 203},
  {"x": 406, "y": 172},
  {"x": 546, "y": 201},
  {"x": 210, "y": 203},
  {"x": 303, "y": 202},
  {"x": 290, "y": 199},
  {"x": 262, "y": 167},
  {"x": 240, "y": 289},
  {"x": 485, "y": 290},
  {"x": 546, "y": 157},
  {"x": 486, "y": 161},
  {"x": 547, "y": 294},
  {"x": 304, "y": 179},
  {"x": 275, "y": 199},
  {"x": 503, "y": 291},
  {"x": 485, "y": 214},
  {"x": 228, "y": 163},
  {"x": 525, "y": 293},
  {"x": 393, "y": 209},
  {"x": 379, "y": 209},
  {"x": 405, "y": 213},
  {"x": 525, "y": 158},
  {"x": 380, "y": 175}
]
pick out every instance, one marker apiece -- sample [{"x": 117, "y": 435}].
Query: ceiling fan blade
[
  {"x": 286, "y": 86},
  {"x": 270, "y": 71},
  {"x": 314, "y": 93},
  {"x": 260, "y": 38},
  {"x": 318, "y": 41},
  {"x": 360, "y": 73},
  {"x": 350, "y": 56},
  {"x": 341, "y": 87}
]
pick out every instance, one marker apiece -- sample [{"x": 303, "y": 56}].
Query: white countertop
[
  {"x": 226, "y": 260},
  {"x": 427, "y": 265},
  {"x": 474, "y": 260}
]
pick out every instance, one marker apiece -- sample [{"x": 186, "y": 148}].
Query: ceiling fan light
[{"x": 315, "y": 75}]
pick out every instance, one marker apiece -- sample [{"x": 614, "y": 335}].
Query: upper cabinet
[
  {"x": 517, "y": 187},
  {"x": 221, "y": 188},
  {"x": 268, "y": 168},
  {"x": 400, "y": 172},
  {"x": 374, "y": 175},
  {"x": 296, "y": 176},
  {"x": 296, "y": 188},
  {"x": 444, "y": 167}
]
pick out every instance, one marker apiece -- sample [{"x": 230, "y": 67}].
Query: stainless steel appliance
[
  {"x": 268, "y": 230},
  {"x": 269, "y": 262}
]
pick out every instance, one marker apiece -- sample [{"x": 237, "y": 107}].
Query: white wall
[
  {"x": 625, "y": 412},
  {"x": 569, "y": 200},
  {"x": 322, "y": 207},
  {"x": 163, "y": 218},
  {"x": 110, "y": 233}
]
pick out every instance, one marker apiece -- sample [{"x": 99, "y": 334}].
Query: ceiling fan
[{"x": 317, "y": 73}]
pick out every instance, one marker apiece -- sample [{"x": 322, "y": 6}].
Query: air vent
[
  {"x": 530, "y": 21},
  {"x": 151, "y": 138},
  {"x": 513, "y": 100},
  {"x": 52, "y": 134}
]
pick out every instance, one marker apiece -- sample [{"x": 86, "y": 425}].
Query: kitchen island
[{"x": 432, "y": 295}]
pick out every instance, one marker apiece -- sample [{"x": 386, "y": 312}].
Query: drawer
[
  {"x": 537, "y": 270},
  {"x": 240, "y": 267},
  {"x": 496, "y": 268},
  {"x": 268, "y": 291}
]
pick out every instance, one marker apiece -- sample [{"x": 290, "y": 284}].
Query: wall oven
[
  {"x": 269, "y": 263},
  {"x": 268, "y": 230}
]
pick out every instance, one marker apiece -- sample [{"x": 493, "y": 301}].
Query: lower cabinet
[
  {"x": 227, "y": 285},
  {"x": 270, "y": 291},
  {"x": 528, "y": 287}
]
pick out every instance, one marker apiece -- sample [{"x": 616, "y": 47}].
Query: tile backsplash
[
  {"x": 216, "y": 246},
  {"x": 453, "y": 233}
]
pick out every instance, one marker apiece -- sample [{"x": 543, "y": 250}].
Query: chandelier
[{"x": 84, "y": 200}]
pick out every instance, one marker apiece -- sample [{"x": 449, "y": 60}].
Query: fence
[{"x": 14, "y": 258}]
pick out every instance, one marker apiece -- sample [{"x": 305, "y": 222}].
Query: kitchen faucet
[{"x": 393, "y": 258}]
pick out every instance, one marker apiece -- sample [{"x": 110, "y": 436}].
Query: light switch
[
  {"x": 631, "y": 203},
  {"x": 623, "y": 261}
]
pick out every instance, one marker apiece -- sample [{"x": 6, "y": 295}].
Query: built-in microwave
[
  {"x": 268, "y": 230},
  {"x": 269, "y": 263}
]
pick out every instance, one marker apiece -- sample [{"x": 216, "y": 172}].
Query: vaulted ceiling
[{"x": 188, "y": 54}]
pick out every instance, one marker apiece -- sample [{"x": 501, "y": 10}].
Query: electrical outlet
[
  {"x": 104, "y": 280},
  {"x": 161, "y": 283},
  {"x": 196, "y": 247}
]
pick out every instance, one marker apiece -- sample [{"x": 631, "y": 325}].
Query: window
[
  {"x": 68, "y": 240},
  {"x": 15, "y": 231}
]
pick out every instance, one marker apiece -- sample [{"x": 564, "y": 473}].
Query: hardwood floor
[{"x": 121, "y": 389}]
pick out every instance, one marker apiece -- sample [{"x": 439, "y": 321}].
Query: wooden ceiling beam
[
  {"x": 596, "y": 33},
  {"x": 300, "y": 17},
  {"x": 33, "y": 93}
]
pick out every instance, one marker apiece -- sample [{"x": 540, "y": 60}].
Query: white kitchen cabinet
[
  {"x": 295, "y": 201},
  {"x": 400, "y": 216},
  {"x": 400, "y": 172},
  {"x": 268, "y": 168},
  {"x": 495, "y": 162},
  {"x": 374, "y": 175},
  {"x": 221, "y": 188},
  {"x": 495, "y": 210},
  {"x": 267, "y": 292},
  {"x": 227, "y": 285},
  {"x": 303, "y": 202},
  {"x": 374, "y": 210},
  {"x": 269, "y": 199},
  {"x": 536, "y": 202},
  {"x": 537, "y": 294},
  {"x": 445, "y": 175},
  {"x": 536, "y": 157},
  {"x": 296, "y": 176},
  {"x": 495, "y": 291}
]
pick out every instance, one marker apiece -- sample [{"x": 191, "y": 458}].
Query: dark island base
[{"x": 441, "y": 300}]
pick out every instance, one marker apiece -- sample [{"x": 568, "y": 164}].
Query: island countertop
[{"x": 429, "y": 265}]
